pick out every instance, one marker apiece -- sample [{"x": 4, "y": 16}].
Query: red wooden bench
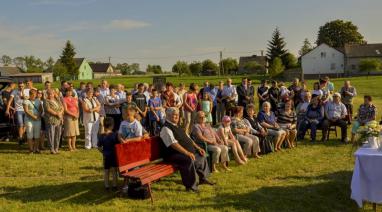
[{"x": 145, "y": 158}]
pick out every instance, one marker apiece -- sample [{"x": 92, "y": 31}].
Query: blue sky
[{"x": 164, "y": 31}]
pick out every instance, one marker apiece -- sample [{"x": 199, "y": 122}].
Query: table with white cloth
[{"x": 366, "y": 183}]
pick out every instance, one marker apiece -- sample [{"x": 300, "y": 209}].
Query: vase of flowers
[{"x": 369, "y": 132}]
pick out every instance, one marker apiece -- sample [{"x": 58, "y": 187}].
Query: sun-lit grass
[{"x": 311, "y": 177}]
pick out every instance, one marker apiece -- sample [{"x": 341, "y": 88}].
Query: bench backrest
[{"x": 137, "y": 153}]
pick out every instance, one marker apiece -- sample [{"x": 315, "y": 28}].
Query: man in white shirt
[{"x": 229, "y": 95}]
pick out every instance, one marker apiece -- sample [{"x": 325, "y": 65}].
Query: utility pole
[
  {"x": 109, "y": 59},
  {"x": 221, "y": 68}
]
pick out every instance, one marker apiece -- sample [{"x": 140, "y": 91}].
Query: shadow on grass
[
  {"x": 331, "y": 193},
  {"x": 84, "y": 193}
]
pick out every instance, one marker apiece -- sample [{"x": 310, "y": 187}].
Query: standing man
[
  {"x": 104, "y": 91},
  {"x": 140, "y": 99},
  {"x": 262, "y": 93},
  {"x": 295, "y": 90},
  {"x": 251, "y": 92},
  {"x": 229, "y": 97},
  {"x": 184, "y": 153},
  {"x": 335, "y": 114},
  {"x": 17, "y": 97},
  {"x": 243, "y": 93},
  {"x": 348, "y": 92},
  {"x": 274, "y": 95}
]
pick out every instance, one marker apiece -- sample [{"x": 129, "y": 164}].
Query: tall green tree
[
  {"x": 369, "y": 65},
  {"x": 6, "y": 60},
  {"x": 306, "y": 47},
  {"x": 290, "y": 61},
  {"x": 67, "y": 59},
  {"x": 19, "y": 62},
  {"x": 60, "y": 71},
  {"x": 156, "y": 69},
  {"x": 49, "y": 63},
  {"x": 276, "y": 46},
  {"x": 229, "y": 65},
  {"x": 276, "y": 67},
  {"x": 209, "y": 65},
  {"x": 337, "y": 33},
  {"x": 33, "y": 64},
  {"x": 181, "y": 67},
  {"x": 195, "y": 68}
]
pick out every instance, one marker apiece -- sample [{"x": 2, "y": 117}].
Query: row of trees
[
  {"x": 30, "y": 64},
  {"x": 206, "y": 67}
]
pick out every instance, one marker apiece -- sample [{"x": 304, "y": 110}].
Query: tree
[
  {"x": 209, "y": 66},
  {"x": 134, "y": 68},
  {"x": 368, "y": 65},
  {"x": 49, "y": 63},
  {"x": 6, "y": 60},
  {"x": 337, "y": 33},
  {"x": 181, "y": 67},
  {"x": 59, "y": 70},
  {"x": 124, "y": 68},
  {"x": 230, "y": 65},
  {"x": 253, "y": 67},
  {"x": 276, "y": 46},
  {"x": 156, "y": 69},
  {"x": 33, "y": 64},
  {"x": 306, "y": 47},
  {"x": 290, "y": 61},
  {"x": 67, "y": 59},
  {"x": 276, "y": 67},
  {"x": 19, "y": 63},
  {"x": 195, "y": 68}
]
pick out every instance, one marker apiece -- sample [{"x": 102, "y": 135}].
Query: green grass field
[{"x": 311, "y": 177}]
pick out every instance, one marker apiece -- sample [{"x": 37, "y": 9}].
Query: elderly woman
[
  {"x": 91, "y": 108},
  {"x": 71, "y": 130},
  {"x": 54, "y": 112},
  {"x": 313, "y": 118},
  {"x": 243, "y": 133},
  {"x": 267, "y": 119},
  {"x": 302, "y": 107},
  {"x": 203, "y": 132},
  {"x": 33, "y": 111},
  {"x": 367, "y": 112},
  {"x": 287, "y": 120}
]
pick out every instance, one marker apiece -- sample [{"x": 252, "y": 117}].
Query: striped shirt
[{"x": 284, "y": 118}]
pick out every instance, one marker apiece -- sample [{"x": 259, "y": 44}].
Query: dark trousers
[
  {"x": 339, "y": 122},
  {"x": 189, "y": 169},
  {"x": 349, "y": 117},
  {"x": 313, "y": 126},
  {"x": 213, "y": 115}
]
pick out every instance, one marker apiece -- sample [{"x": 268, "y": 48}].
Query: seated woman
[
  {"x": 243, "y": 133},
  {"x": 258, "y": 130},
  {"x": 203, "y": 132},
  {"x": 225, "y": 134},
  {"x": 312, "y": 120},
  {"x": 366, "y": 113},
  {"x": 287, "y": 119},
  {"x": 267, "y": 119}
]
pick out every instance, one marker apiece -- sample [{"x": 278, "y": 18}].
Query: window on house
[
  {"x": 83, "y": 74},
  {"x": 353, "y": 67},
  {"x": 333, "y": 66},
  {"x": 323, "y": 54}
]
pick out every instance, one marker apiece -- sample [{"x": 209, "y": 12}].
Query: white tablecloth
[{"x": 366, "y": 183}]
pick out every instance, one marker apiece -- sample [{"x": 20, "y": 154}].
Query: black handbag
[{"x": 136, "y": 190}]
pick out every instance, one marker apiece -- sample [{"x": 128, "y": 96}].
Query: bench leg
[
  {"x": 151, "y": 194},
  {"x": 374, "y": 206}
]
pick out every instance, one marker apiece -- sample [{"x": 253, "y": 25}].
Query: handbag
[{"x": 138, "y": 191}]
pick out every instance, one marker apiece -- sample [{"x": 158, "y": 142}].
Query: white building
[{"x": 323, "y": 60}]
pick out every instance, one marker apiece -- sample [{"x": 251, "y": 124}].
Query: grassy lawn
[{"x": 311, "y": 177}]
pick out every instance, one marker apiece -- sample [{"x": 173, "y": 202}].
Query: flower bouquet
[{"x": 370, "y": 132}]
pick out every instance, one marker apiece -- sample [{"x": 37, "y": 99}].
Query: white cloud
[{"x": 126, "y": 24}]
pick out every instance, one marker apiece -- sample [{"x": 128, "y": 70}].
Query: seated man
[
  {"x": 184, "y": 153},
  {"x": 367, "y": 112},
  {"x": 335, "y": 114}
]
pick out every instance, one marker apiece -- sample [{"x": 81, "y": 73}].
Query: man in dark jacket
[{"x": 184, "y": 153}]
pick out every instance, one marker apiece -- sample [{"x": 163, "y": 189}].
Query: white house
[{"x": 323, "y": 60}]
